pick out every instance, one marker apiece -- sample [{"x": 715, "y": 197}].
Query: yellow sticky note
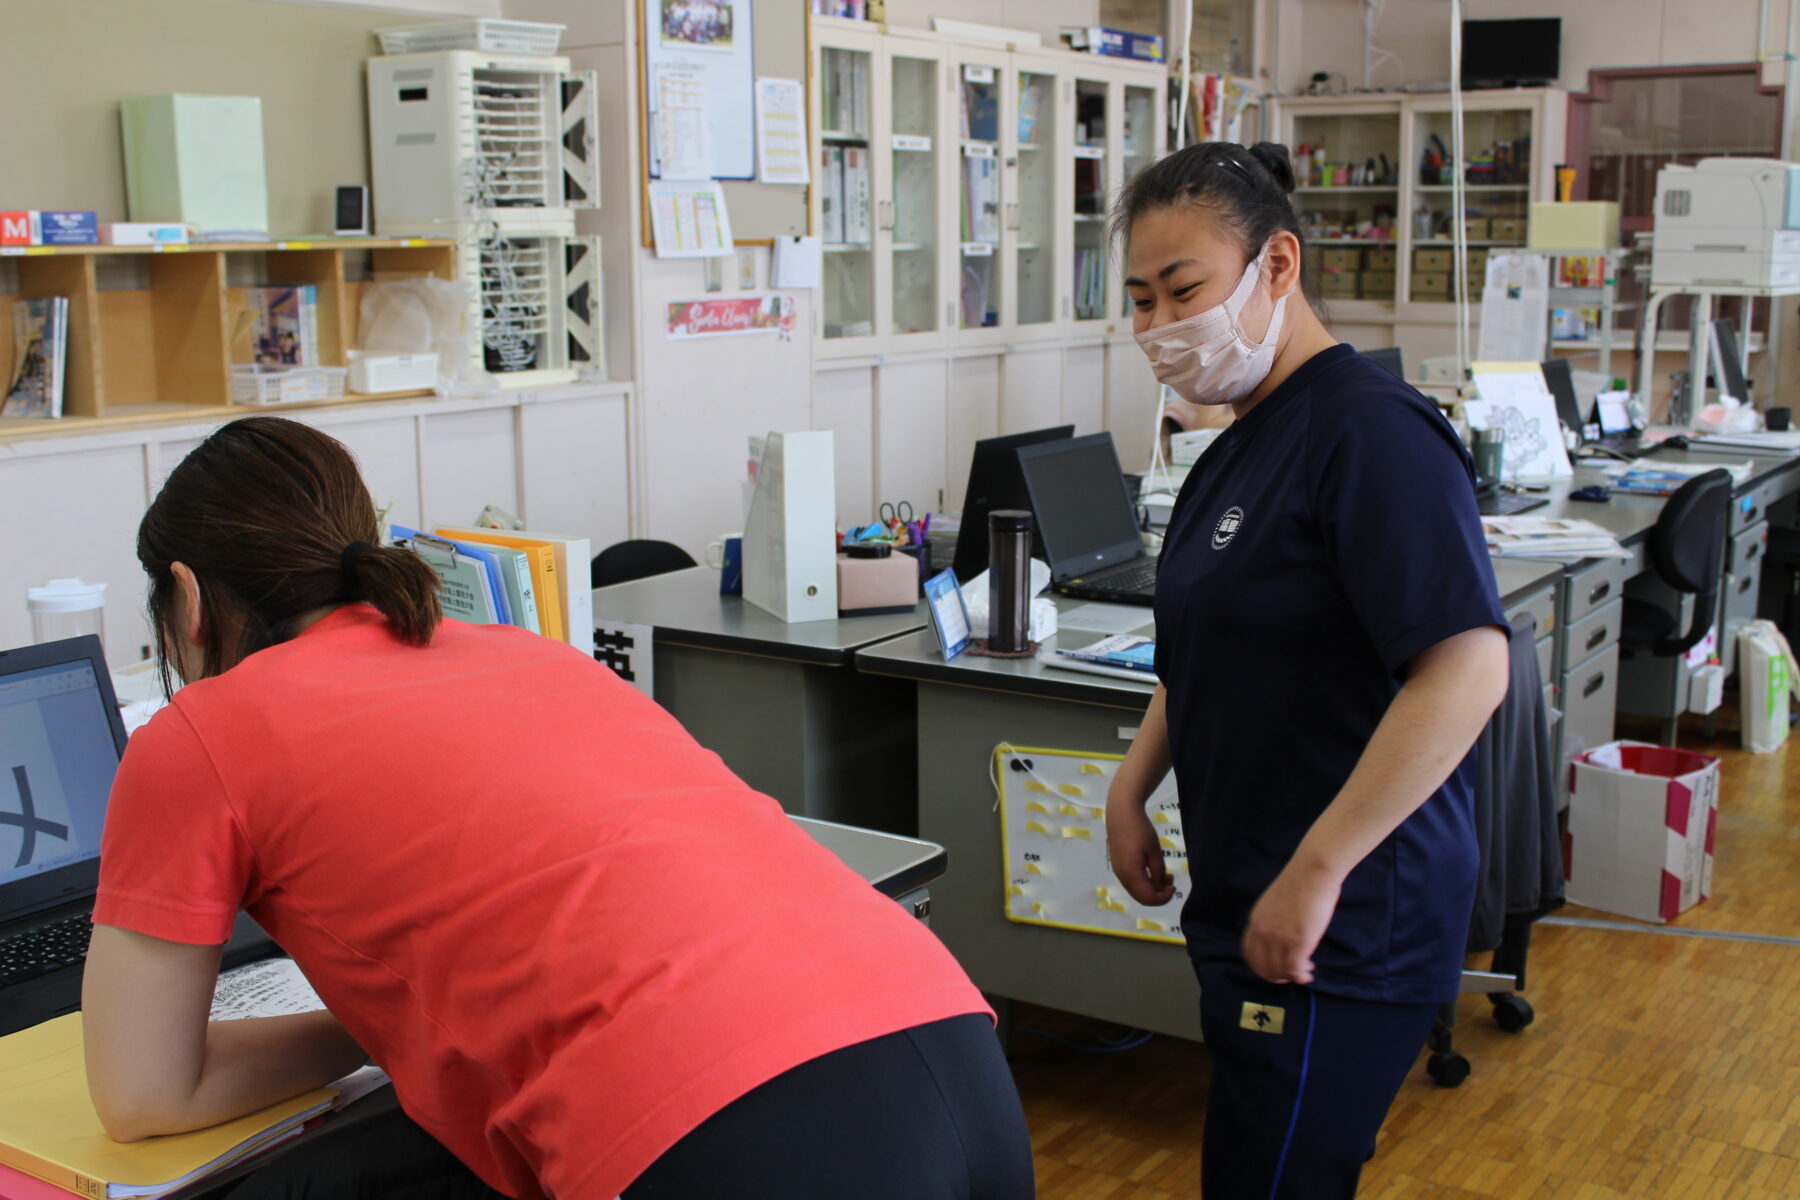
[
  {"x": 1102, "y": 893},
  {"x": 1072, "y": 789},
  {"x": 1167, "y": 844},
  {"x": 1075, "y": 831},
  {"x": 1037, "y": 909},
  {"x": 1149, "y": 926},
  {"x": 1033, "y": 869},
  {"x": 1091, "y": 769},
  {"x": 1037, "y": 827},
  {"x": 1015, "y": 890},
  {"x": 1036, "y": 806},
  {"x": 1096, "y": 812},
  {"x": 1161, "y": 818},
  {"x": 1072, "y": 810},
  {"x": 1111, "y": 906},
  {"x": 1032, "y": 785}
]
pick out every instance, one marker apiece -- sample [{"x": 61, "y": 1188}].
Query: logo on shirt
[
  {"x": 1227, "y": 527},
  {"x": 1262, "y": 1018}
]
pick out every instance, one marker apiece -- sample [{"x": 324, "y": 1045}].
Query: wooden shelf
[{"x": 163, "y": 352}]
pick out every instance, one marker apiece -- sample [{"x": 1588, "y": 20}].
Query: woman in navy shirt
[{"x": 1329, "y": 645}]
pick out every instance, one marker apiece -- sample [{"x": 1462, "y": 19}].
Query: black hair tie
[{"x": 347, "y": 560}]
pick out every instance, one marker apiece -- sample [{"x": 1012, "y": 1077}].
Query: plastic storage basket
[
  {"x": 258, "y": 385},
  {"x": 373, "y": 374},
  {"x": 480, "y": 33}
]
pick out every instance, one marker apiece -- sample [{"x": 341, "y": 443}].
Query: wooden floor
[{"x": 1658, "y": 1066}]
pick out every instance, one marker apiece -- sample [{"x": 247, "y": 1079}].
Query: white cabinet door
[
  {"x": 577, "y": 474},
  {"x": 911, "y": 408},
  {"x": 387, "y": 452},
  {"x": 1132, "y": 403},
  {"x": 844, "y": 403},
  {"x": 1033, "y": 389},
  {"x": 84, "y": 509},
  {"x": 1084, "y": 388},
  {"x": 974, "y": 414},
  {"x": 469, "y": 460}
]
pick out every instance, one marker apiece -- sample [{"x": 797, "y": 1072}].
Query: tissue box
[
  {"x": 1641, "y": 822},
  {"x": 871, "y": 586}
]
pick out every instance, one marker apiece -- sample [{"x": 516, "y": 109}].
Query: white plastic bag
[
  {"x": 1766, "y": 679},
  {"x": 421, "y": 316}
]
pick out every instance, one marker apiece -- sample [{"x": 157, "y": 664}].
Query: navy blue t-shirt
[{"x": 1321, "y": 543}]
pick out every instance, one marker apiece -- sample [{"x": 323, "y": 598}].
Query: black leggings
[{"x": 929, "y": 1113}]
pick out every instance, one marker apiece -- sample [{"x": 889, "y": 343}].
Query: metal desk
[
  {"x": 781, "y": 704},
  {"x": 969, "y": 706},
  {"x": 897, "y": 867}
]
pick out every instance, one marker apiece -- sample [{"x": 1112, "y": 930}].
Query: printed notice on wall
[
  {"x": 688, "y": 220},
  {"x": 682, "y": 144},
  {"x": 781, "y": 155},
  {"x": 770, "y": 313}
]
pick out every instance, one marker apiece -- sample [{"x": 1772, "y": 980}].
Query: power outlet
[{"x": 746, "y": 258}]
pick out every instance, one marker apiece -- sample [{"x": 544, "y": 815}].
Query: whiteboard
[
  {"x": 1053, "y": 842},
  {"x": 728, "y": 72}
]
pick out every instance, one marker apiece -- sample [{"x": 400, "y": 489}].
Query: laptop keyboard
[
  {"x": 45, "y": 949},
  {"x": 1139, "y": 576},
  {"x": 1504, "y": 504}
]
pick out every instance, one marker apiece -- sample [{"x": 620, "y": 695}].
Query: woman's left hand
[{"x": 1288, "y": 922}]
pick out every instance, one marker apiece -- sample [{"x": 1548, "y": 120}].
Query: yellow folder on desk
[
  {"x": 544, "y": 579},
  {"x": 49, "y": 1129}
]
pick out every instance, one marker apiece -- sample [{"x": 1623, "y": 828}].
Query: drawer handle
[
  {"x": 1754, "y": 550},
  {"x": 1750, "y": 513},
  {"x": 1596, "y": 637},
  {"x": 1744, "y": 584},
  {"x": 1594, "y": 685},
  {"x": 1598, "y": 592}
]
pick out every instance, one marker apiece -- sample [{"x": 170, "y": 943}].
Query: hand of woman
[
  {"x": 1288, "y": 922},
  {"x": 1135, "y": 856}
]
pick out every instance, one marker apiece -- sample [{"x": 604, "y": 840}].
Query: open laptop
[
  {"x": 1091, "y": 537},
  {"x": 60, "y": 742},
  {"x": 1618, "y": 437},
  {"x": 995, "y": 482}
]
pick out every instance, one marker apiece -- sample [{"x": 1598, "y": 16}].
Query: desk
[
  {"x": 969, "y": 706},
  {"x": 781, "y": 704},
  {"x": 897, "y": 867}
]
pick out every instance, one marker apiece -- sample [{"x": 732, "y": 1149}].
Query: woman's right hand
[{"x": 1132, "y": 850}]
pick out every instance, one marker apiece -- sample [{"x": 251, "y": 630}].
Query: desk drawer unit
[
  {"x": 1743, "y": 584},
  {"x": 1753, "y": 506},
  {"x": 1592, "y": 585},
  {"x": 1594, "y": 632},
  {"x": 1542, "y": 607},
  {"x": 1589, "y": 697}
]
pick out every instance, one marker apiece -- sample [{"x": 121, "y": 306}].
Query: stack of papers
[
  {"x": 1786, "y": 441},
  {"x": 1549, "y": 537},
  {"x": 1124, "y": 655}
]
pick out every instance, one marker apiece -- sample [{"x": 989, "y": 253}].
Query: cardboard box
[
  {"x": 1382, "y": 258},
  {"x": 143, "y": 233},
  {"x": 1583, "y": 225},
  {"x": 69, "y": 228},
  {"x": 1476, "y": 228},
  {"x": 1507, "y": 229},
  {"x": 1378, "y": 285},
  {"x": 1433, "y": 259},
  {"x": 1431, "y": 285},
  {"x": 20, "y": 229},
  {"x": 1343, "y": 258},
  {"x": 1641, "y": 825},
  {"x": 1339, "y": 285},
  {"x": 1115, "y": 43}
]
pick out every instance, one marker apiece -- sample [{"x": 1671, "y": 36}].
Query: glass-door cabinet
[
  {"x": 1141, "y": 136},
  {"x": 846, "y": 187},
  {"x": 1092, "y": 167},
  {"x": 984, "y": 112},
  {"x": 1033, "y": 197},
  {"x": 910, "y": 216}
]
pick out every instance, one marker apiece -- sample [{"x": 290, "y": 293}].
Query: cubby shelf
[{"x": 154, "y": 330}]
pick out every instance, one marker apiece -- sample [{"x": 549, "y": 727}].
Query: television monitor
[
  {"x": 995, "y": 481},
  {"x": 1511, "y": 53},
  {"x": 1727, "y": 363}
]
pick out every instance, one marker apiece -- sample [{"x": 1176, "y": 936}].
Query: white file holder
[{"x": 790, "y": 537}]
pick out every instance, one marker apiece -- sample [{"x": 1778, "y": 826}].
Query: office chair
[
  {"x": 1686, "y": 550},
  {"x": 640, "y": 558}
]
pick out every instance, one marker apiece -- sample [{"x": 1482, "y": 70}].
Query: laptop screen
[
  {"x": 1078, "y": 494},
  {"x": 1561, "y": 382},
  {"x": 57, "y": 760},
  {"x": 995, "y": 482}
]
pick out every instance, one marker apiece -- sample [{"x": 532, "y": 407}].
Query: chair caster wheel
[
  {"x": 1513, "y": 1013},
  {"x": 1447, "y": 1070}
]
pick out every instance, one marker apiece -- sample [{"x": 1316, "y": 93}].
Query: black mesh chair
[
  {"x": 1687, "y": 552},
  {"x": 638, "y": 559}
]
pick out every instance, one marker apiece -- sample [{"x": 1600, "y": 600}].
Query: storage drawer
[
  {"x": 1753, "y": 506},
  {"x": 1743, "y": 585},
  {"x": 1598, "y": 583},
  {"x": 1546, "y": 648},
  {"x": 1590, "y": 635},
  {"x": 1542, "y": 607},
  {"x": 1590, "y": 695}
]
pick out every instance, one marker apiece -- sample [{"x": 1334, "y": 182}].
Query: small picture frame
[{"x": 949, "y": 615}]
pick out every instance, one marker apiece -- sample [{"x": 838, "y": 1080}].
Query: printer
[{"x": 1727, "y": 222}]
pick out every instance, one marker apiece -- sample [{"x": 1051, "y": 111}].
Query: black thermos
[{"x": 1009, "y": 580}]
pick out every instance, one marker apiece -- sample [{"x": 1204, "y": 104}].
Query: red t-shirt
[{"x": 567, "y": 931}]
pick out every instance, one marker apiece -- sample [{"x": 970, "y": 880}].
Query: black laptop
[
  {"x": 1091, "y": 537},
  {"x": 995, "y": 482},
  {"x": 60, "y": 742},
  {"x": 1618, "y": 437}
]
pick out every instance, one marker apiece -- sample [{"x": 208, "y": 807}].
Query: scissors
[{"x": 895, "y": 515}]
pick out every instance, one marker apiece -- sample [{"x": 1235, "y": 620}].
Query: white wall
[{"x": 1326, "y": 35}]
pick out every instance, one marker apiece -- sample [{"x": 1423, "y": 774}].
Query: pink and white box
[{"x": 1641, "y": 825}]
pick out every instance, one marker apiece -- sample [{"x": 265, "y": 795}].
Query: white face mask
[{"x": 1206, "y": 358}]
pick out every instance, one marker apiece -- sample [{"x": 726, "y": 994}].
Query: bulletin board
[
  {"x": 781, "y": 44},
  {"x": 1053, "y": 842}
]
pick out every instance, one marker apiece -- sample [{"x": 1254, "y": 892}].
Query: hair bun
[{"x": 1274, "y": 158}]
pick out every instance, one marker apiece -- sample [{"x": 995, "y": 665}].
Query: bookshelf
[{"x": 154, "y": 330}]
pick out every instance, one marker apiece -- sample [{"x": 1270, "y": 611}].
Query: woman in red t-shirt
[{"x": 592, "y": 959}]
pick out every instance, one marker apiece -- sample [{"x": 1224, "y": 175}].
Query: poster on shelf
[
  {"x": 771, "y": 312},
  {"x": 712, "y": 41},
  {"x": 689, "y": 220},
  {"x": 781, "y": 131}
]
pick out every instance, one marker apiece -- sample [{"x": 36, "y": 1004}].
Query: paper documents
[
  {"x": 275, "y": 987},
  {"x": 689, "y": 220},
  {"x": 683, "y": 149},
  {"x": 781, "y": 150},
  {"x": 1513, "y": 397},
  {"x": 1549, "y": 537}
]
